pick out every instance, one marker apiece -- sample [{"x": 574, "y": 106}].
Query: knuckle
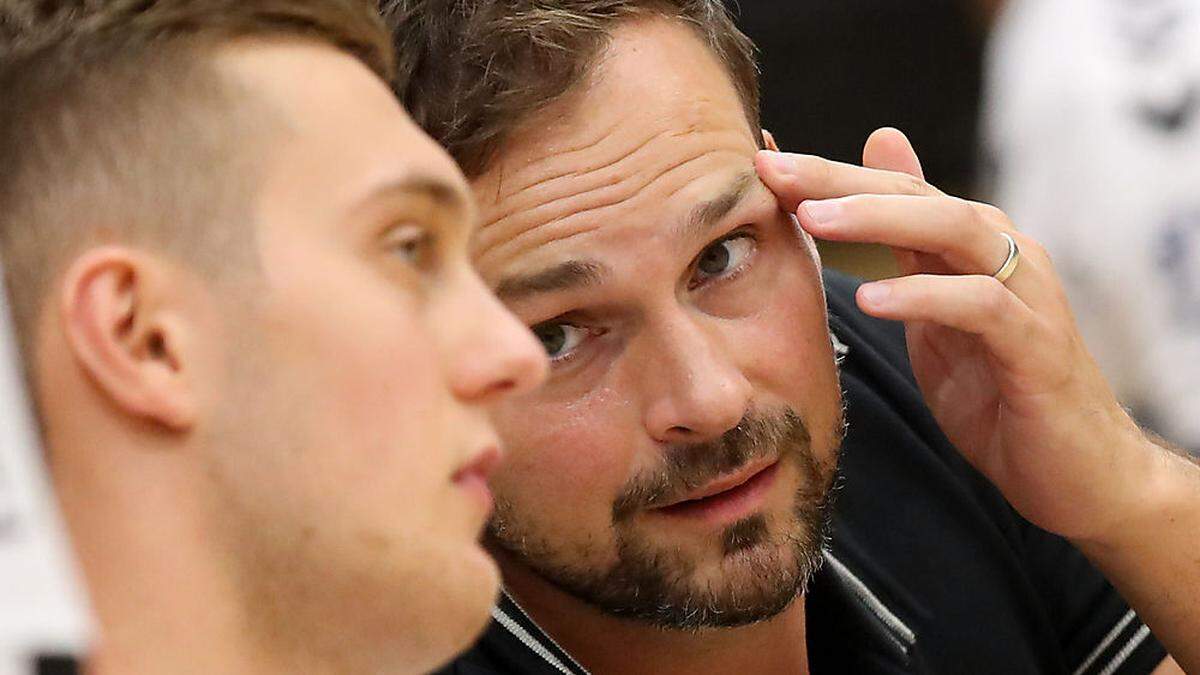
[
  {"x": 991, "y": 214},
  {"x": 1035, "y": 254},
  {"x": 1035, "y": 250},
  {"x": 962, "y": 210},
  {"x": 1032, "y": 331},
  {"x": 911, "y": 185},
  {"x": 815, "y": 170},
  {"x": 1051, "y": 337},
  {"x": 1031, "y": 247},
  {"x": 994, "y": 297}
]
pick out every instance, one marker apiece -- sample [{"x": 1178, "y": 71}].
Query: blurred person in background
[
  {"x": 261, "y": 358},
  {"x": 668, "y": 500},
  {"x": 1093, "y": 120}
]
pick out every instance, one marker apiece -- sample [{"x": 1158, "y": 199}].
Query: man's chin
[
  {"x": 689, "y": 578},
  {"x": 485, "y": 575},
  {"x": 747, "y": 572},
  {"x": 739, "y": 599},
  {"x": 679, "y": 588},
  {"x": 466, "y": 587},
  {"x": 742, "y": 547},
  {"x": 753, "y": 583}
]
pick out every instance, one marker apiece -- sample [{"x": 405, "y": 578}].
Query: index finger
[{"x": 794, "y": 178}]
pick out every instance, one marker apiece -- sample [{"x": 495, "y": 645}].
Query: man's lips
[
  {"x": 725, "y": 483},
  {"x": 727, "y": 499}
]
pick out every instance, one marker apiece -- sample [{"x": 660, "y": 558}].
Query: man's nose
[
  {"x": 488, "y": 353},
  {"x": 697, "y": 389}
]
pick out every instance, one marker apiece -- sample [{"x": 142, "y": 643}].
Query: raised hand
[
  {"x": 1005, "y": 371},
  {"x": 1001, "y": 365}
]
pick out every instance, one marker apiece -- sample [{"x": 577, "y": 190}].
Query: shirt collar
[{"x": 846, "y": 622}]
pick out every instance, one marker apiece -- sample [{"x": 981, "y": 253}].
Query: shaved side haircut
[{"x": 116, "y": 126}]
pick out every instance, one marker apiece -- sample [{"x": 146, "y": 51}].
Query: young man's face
[
  {"x": 684, "y": 314},
  {"x": 352, "y": 438}
]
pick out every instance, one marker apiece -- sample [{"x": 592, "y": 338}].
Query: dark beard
[{"x": 776, "y": 560}]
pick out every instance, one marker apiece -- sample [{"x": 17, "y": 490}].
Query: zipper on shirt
[{"x": 534, "y": 642}]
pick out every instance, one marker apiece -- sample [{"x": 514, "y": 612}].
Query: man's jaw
[{"x": 683, "y": 573}]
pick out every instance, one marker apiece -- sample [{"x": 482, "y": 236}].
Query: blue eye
[
  {"x": 724, "y": 256},
  {"x": 559, "y": 339},
  {"x": 412, "y": 243}
]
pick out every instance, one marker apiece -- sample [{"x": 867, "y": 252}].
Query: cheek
[
  {"x": 363, "y": 375},
  {"x": 565, "y": 461},
  {"x": 792, "y": 351},
  {"x": 792, "y": 357}
]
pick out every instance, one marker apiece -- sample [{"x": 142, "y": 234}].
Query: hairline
[{"x": 591, "y": 68}]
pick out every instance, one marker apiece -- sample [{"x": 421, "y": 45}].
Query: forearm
[{"x": 1152, "y": 556}]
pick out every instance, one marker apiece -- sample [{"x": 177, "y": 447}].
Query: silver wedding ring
[{"x": 1010, "y": 264}]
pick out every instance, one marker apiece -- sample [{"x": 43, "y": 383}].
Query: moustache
[{"x": 687, "y": 467}]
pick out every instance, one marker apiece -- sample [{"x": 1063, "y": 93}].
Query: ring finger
[{"x": 957, "y": 231}]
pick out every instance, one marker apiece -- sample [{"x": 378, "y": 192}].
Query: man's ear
[
  {"x": 123, "y": 333},
  {"x": 769, "y": 141}
]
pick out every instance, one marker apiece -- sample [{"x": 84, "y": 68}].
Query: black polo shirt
[{"x": 929, "y": 571}]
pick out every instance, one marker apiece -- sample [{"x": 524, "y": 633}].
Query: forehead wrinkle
[
  {"x": 556, "y": 156},
  {"x": 613, "y": 174},
  {"x": 525, "y": 243},
  {"x": 593, "y": 168},
  {"x": 579, "y": 222},
  {"x": 605, "y": 174},
  {"x": 581, "y": 194}
]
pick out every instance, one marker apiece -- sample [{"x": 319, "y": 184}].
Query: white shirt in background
[{"x": 1092, "y": 119}]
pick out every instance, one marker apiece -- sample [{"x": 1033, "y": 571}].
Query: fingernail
[
  {"x": 822, "y": 212},
  {"x": 876, "y": 294},
  {"x": 780, "y": 162}
]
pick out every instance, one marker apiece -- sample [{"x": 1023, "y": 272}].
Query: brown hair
[
  {"x": 115, "y": 125},
  {"x": 472, "y": 71}
]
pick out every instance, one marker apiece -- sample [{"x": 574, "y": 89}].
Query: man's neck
[
  {"x": 606, "y": 644},
  {"x": 156, "y": 620},
  {"x": 163, "y": 599}
]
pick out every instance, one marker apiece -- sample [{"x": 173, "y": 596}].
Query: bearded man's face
[{"x": 676, "y": 466}]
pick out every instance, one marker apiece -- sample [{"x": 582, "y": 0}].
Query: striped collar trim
[{"x": 517, "y": 622}]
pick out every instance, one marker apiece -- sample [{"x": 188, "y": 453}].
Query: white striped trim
[
  {"x": 904, "y": 635},
  {"x": 840, "y": 349},
  {"x": 1123, "y": 655},
  {"x": 1106, "y": 642},
  {"x": 528, "y": 640},
  {"x": 873, "y": 603},
  {"x": 544, "y": 636}
]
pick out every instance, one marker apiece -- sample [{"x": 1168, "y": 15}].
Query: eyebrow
[
  {"x": 707, "y": 214},
  {"x": 442, "y": 192},
  {"x": 564, "y": 276},
  {"x": 574, "y": 274}
]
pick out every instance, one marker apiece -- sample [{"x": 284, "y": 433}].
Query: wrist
[{"x": 1154, "y": 491}]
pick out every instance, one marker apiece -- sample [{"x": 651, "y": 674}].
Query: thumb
[{"x": 889, "y": 149}]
